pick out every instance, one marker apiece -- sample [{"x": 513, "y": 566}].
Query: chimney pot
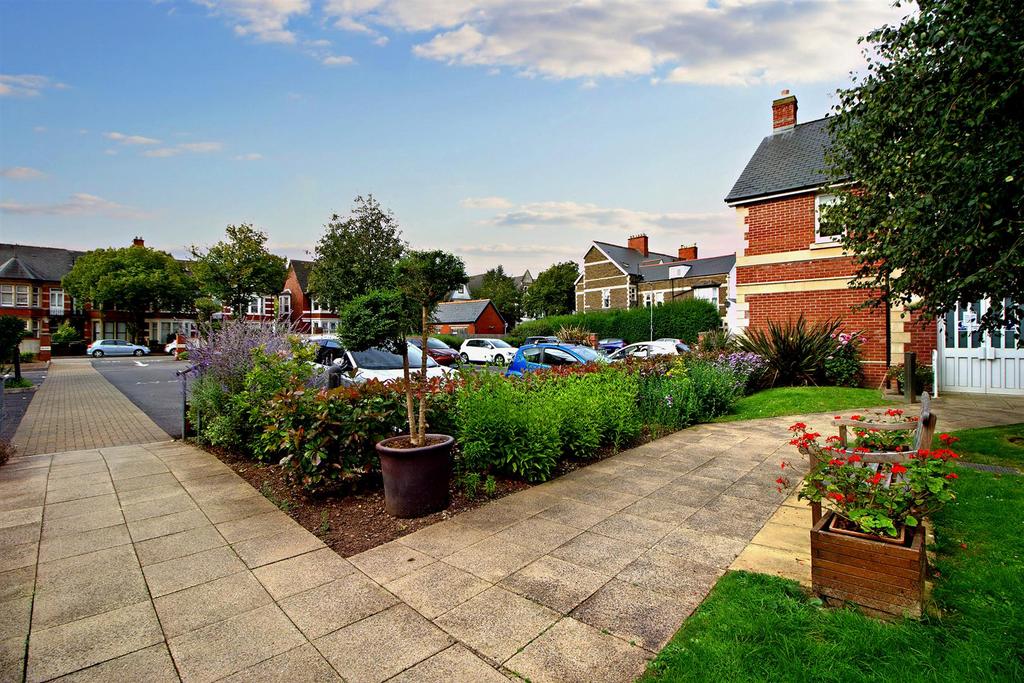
[
  {"x": 784, "y": 112},
  {"x": 639, "y": 243},
  {"x": 688, "y": 252}
]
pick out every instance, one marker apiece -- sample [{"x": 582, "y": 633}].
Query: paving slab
[{"x": 573, "y": 652}]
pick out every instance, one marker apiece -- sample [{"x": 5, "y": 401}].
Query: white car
[
  {"x": 646, "y": 350},
  {"x": 382, "y": 365},
  {"x": 487, "y": 351}
]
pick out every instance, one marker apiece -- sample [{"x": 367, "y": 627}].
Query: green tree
[
  {"x": 235, "y": 270},
  {"x": 12, "y": 331},
  {"x": 383, "y": 317},
  {"x": 933, "y": 136},
  {"x": 553, "y": 292},
  {"x": 356, "y": 255},
  {"x": 502, "y": 291},
  {"x": 134, "y": 280}
]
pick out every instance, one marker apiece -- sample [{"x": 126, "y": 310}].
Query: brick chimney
[
  {"x": 639, "y": 243},
  {"x": 138, "y": 242},
  {"x": 783, "y": 112},
  {"x": 688, "y": 253}
]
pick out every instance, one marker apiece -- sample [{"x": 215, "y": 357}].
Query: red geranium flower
[
  {"x": 952, "y": 475},
  {"x": 854, "y": 458},
  {"x": 876, "y": 479},
  {"x": 898, "y": 469}
]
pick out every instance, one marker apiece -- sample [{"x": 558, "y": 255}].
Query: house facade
[
  {"x": 615, "y": 276},
  {"x": 468, "y": 318},
  {"x": 791, "y": 266},
  {"x": 301, "y": 306}
]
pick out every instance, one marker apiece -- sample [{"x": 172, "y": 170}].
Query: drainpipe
[{"x": 888, "y": 326}]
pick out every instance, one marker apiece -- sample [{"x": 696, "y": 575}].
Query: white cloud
[
  {"x": 265, "y": 20},
  {"x": 130, "y": 139},
  {"x": 251, "y": 156},
  {"x": 485, "y": 203},
  {"x": 27, "y": 85},
  {"x": 22, "y": 173},
  {"x": 381, "y": 41},
  {"x": 337, "y": 60},
  {"x": 79, "y": 204},
  {"x": 162, "y": 152},
  {"x": 201, "y": 147},
  {"x": 728, "y": 42}
]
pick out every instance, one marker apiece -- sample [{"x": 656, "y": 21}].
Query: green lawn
[
  {"x": 802, "y": 400},
  {"x": 754, "y": 627},
  {"x": 992, "y": 446}
]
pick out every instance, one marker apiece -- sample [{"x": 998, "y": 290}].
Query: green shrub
[
  {"x": 451, "y": 340},
  {"x": 924, "y": 376},
  {"x": 693, "y": 391},
  {"x": 679, "y": 319},
  {"x": 795, "y": 351},
  {"x": 843, "y": 368},
  {"x": 65, "y": 334},
  {"x": 27, "y": 356}
]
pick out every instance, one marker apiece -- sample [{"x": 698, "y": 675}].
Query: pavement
[
  {"x": 155, "y": 561},
  {"x": 16, "y": 402}
]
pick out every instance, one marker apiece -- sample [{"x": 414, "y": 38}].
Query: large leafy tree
[
  {"x": 134, "y": 280},
  {"x": 933, "y": 137},
  {"x": 236, "y": 269},
  {"x": 357, "y": 254},
  {"x": 382, "y": 317},
  {"x": 553, "y": 292},
  {"x": 501, "y": 289},
  {"x": 12, "y": 331}
]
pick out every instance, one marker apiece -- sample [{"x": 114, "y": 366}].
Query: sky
[{"x": 510, "y": 132}]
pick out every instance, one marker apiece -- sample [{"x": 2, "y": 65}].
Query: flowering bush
[
  {"x": 748, "y": 368},
  {"x": 842, "y": 367},
  {"x": 876, "y": 498},
  {"x": 875, "y": 439}
]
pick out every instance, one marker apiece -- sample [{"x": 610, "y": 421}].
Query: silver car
[{"x": 115, "y": 347}]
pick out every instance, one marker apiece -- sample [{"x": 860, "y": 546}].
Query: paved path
[
  {"x": 156, "y": 562},
  {"x": 76, "y": 408}
]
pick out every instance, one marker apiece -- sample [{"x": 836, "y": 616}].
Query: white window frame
[
  {"x": 648, "y": 299},
  {"x": 820, "y": 201},
  {"x": 707, "y": 294},
  {"x": 255, "y": 306},
  {"x": 284, "y": 304},
  {"x": 37, "y": 294},
  {"x": 659, "y": 298},
  {"x": 22, "y": 296},
  {"x": 7, "y": 296},
  {"x": 606, "y": 298},
  {"x": 57, "y": 301}
]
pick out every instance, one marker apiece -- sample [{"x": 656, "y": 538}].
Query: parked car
[
  {"x": 373, "y": 363},
  {"x": 115, "y": 347},
  {"x": 646, "y": 350},
  {"x": 487, "y": 351},
  {"x": 541, "y": 340},
  {"x": 611, "y": 344},
  {"x": 681, "y": 346},
  {"x": 174, "y": 347},
  {"x": 543, "y": 356},
  {"x": 438, "y": 350}
]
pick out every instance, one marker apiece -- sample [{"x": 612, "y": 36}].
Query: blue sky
[{"x": 508, "y": 131}]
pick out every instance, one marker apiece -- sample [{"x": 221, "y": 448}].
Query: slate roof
[
  {"x": 703, "y": 267},
  {"x": 475, "y": 281},
  {"x": 43, "y": 264},
  {"x": 302, "y": 269},
  {"x": 456, "y": 312},
  {"x": 785, "y": 162},
  {"x": 630, "y": 259}
]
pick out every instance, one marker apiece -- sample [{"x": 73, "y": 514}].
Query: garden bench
[{"x": 924, "y": 430}]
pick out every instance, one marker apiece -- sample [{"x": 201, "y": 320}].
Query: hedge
[{"x": 679, "y": 320}]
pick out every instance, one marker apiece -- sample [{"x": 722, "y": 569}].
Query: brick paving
[
  {"x": 76, "y": 408},
  {"x": 157, "y": 562}
]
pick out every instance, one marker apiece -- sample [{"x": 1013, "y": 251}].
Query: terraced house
[
  {"x": 791, "y": 266},
  {"x": 626, "y": 277}
]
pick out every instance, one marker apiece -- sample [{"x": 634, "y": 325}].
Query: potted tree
[
  {"x": 416, "y": 467},
  {"x": 868, "y": 546}
]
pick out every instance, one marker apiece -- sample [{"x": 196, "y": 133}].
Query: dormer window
[{"x": 825, "y": 234}]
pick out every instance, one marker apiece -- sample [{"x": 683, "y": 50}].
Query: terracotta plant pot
[
  {"x": 416, "y": 479},
  {"x": 879, "y": 577}
]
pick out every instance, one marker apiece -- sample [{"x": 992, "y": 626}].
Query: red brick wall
[
  {"x": 795, "y": 270},
  {"x": 785, "y": 224},
  {"x": 489, "y": 322},
  {"x": 300, "y": 302}
]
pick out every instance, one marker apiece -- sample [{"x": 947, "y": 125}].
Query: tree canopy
[
  {"x": 356, "y": 255},
  {"x": 501, "y": 289},
  {"x": 932, "y": 136},
  {"x": 235, "y": 270},
  {"x": 133, "y": 279},
  {"x": 553, "y": 292},
  {"x": 12, "y": 331}
]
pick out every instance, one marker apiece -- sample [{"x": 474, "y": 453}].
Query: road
[
  {"x": 151, "y": 384},
  {"x": 16, "y": 403}
]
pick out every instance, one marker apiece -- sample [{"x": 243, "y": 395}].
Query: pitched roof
[
  {"x": 455, "y": 312},
  {"x": 302, "y": 269},
  {"x": 45, "y": 264},
  {"x": 702, "y": 267},
  {"x": 785, "y": 162},
  {"x": 630, "y": 259},
  {"x": 475, "y": 281}
]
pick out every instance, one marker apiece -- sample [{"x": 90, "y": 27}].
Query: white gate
[{"x": 975, "y": 361}]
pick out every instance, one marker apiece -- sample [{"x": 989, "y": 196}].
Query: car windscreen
[
  {"x": 380, "y": 359},
  {"x": 499, "y": 344},
  {"x": 587, "y": 354},
  {"x": 436, "y": 344}
]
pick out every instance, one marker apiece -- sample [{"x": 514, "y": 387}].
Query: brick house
[
  {"x": 468, "y": 318},
  {"x": 614, "y": 276},
  {"x": 30, "y": 288},
  {"x": 301, "y": 306},
  {"x": 789, "y": 266}
]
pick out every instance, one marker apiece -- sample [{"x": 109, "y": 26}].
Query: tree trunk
[
  {"x": 423, "y": 376},
  {"x": 17, "y": 362},
  {"x": 410, "y": 412}
]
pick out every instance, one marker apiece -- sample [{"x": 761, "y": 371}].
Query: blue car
[{"x": 533, "y": 357}]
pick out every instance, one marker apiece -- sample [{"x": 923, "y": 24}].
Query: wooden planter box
[{"x": 880, "y": 577}]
